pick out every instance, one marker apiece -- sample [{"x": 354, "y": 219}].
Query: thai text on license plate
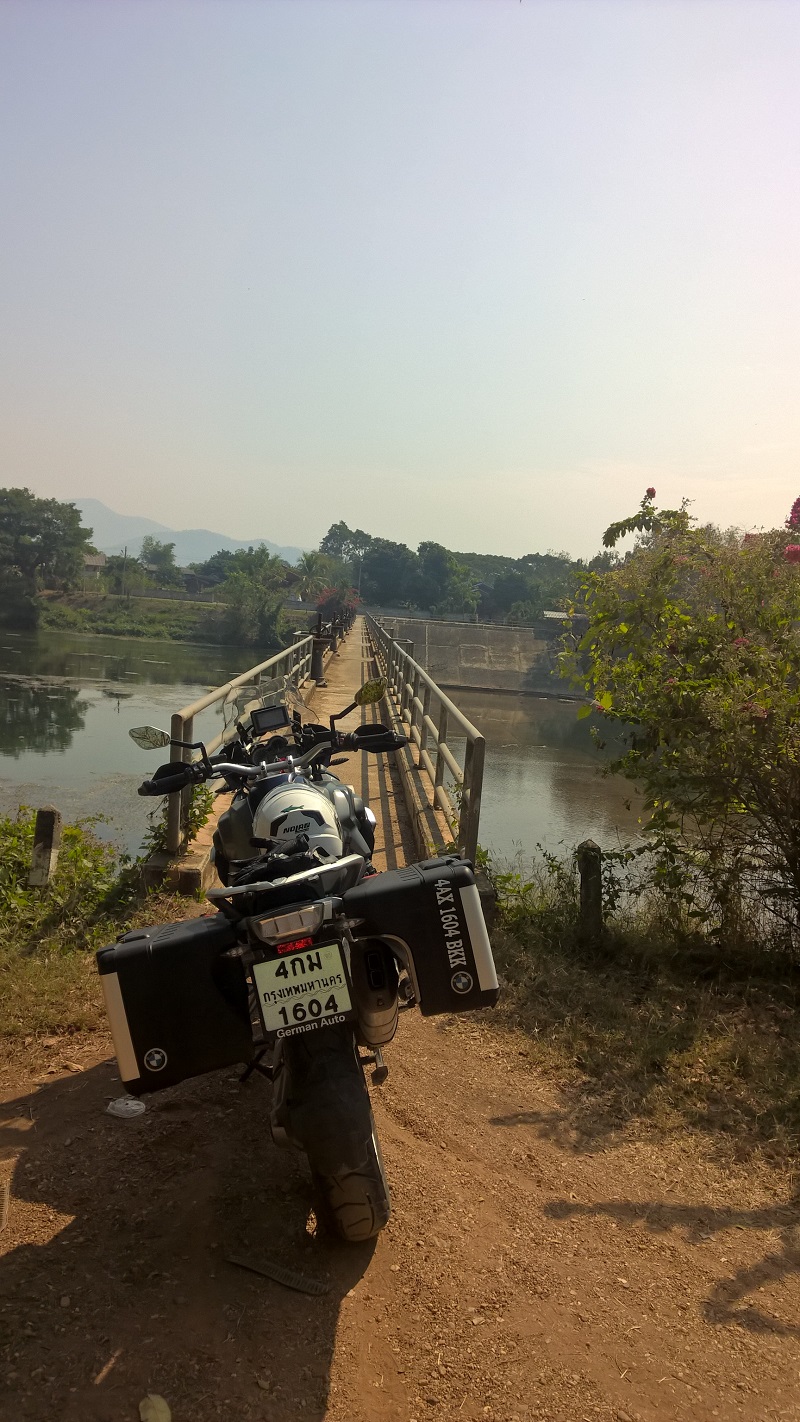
[{"x": 304, "y": 989}]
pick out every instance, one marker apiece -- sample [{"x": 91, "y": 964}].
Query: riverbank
[
  {"x": 162, "y": 619},
  {"x": 660, "y": 1028},
  {"x": 106, "y": 614}
]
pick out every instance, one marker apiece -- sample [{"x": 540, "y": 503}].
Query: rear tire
[
  {"x": 327, "y": 1113},
  {"x": 355, "y": 1204}
]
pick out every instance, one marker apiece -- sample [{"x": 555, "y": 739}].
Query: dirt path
[
  {"x": 525, "y": 1273},
  {"x": 521, "y": 1276}
]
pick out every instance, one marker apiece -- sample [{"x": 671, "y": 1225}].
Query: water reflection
[
  {"x": 66, "y": 703},
  {"x": 118, "y": 659},
  {"x": 38, "y": 717},
  {"x": 543, "y": 780}
]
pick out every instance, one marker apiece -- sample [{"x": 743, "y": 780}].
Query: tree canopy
[
  {"x": 42, "y": 540},
  {"x": 255, "y": 589},
  {"x": 692, "y": 647},
  {"x": 158, "y": 559},
  {"x": 42, "y": 544},
  {"x": 438, "y": 580}
]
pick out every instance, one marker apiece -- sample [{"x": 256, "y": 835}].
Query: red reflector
[{"x": 294, "y": 944}]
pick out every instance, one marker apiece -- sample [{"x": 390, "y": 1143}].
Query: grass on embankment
[
  {"x": 48, "y": 937},
  {"x": 648, "y": 1030},
  {"x": 112, "y": 616}
]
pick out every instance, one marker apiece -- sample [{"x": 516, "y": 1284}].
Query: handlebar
[
  {"x": 375, "y": 738},
  {"x": 175, "y": 780}
]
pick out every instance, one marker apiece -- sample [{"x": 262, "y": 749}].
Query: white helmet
[{"x": 290, "y": 810}]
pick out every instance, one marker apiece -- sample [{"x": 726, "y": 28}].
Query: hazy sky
[{"x": 470, "y": 270}]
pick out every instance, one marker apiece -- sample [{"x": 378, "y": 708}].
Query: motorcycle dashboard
[{"x": 268, "y": 718}]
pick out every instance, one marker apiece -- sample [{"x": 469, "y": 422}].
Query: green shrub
[
  {"x": 692, "y": 651},
  {"x": 47, "y": 936}
]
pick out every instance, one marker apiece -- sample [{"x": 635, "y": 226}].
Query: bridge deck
[{"x": 375, "y": 777}]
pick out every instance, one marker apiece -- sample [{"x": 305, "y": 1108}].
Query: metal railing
[
  {"x": 294, "y": 661},
  {"x": 430, "y": 717}
]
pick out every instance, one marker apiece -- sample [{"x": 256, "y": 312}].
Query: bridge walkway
[{"x": 374, "y": 777}]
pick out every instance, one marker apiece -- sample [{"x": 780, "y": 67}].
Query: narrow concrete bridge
[{"x": 424, "y": 801}]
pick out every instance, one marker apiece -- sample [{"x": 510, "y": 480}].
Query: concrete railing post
[
  {"x": 426, "y": 711},
  {"x": 469, "y": 819},
  {"x": 46, "y": 844},
  {"x": 407, "y": 647},
  {"x": 317, "y": 662},
  {"x": 414, "y": 707},
  {"x": 441, "y": 739},
  {"x": 186, "y": 793},
  {"x": 174, "y": 801},
  {"x": 590, "y": 869}
]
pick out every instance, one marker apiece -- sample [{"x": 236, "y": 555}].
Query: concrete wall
[{"x": 485, "y": 656}]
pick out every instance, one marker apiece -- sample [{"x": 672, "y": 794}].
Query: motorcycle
[{"x": 301, "y": 972}]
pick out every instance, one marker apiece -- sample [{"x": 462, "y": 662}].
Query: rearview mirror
[
  {"x": 371, "y": 691},
  {"x": 149, "y": 737}
]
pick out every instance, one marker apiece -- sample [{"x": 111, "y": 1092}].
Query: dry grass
[
  {"x": 55, "y": 990},
  {"x": 642, "y": 1033}
]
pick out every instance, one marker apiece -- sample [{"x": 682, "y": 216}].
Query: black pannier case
[
  {"x": 431, "y": 914},
  {"x": 177, "y": 1006}
]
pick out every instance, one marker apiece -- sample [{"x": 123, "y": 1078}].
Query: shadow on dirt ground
[
  {"x": 113, "y": 1277},
  {"x": 700, "y": 1223}
]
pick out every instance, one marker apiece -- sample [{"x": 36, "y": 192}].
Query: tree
[
  {"x": 41, "y": 539},
  {"x": 347, "y": 544},
  {"x": 124, "y": 575},
  {"x": 388, "y": 573},
  {"x": 254, "y": 590},
  {"x": 42, "y": 544},
  {"x": 337, "y": 598},
  {"x": 158, "y": 559},
  {"x": 216, "y": 568},
  {"x": 516, "y": 595},
  {"x": 313, "y": 572},
  {"x": 444, "y": 584},
  {"x": 692, "y": 647}
]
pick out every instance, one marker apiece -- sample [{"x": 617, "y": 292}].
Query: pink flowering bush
[{"x": 693, "y": 647}]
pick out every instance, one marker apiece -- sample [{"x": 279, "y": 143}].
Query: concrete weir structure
[{"x": 486, "y": 657}]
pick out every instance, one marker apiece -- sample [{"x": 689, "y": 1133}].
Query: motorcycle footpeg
[
  {"x": 381, "y": 1072},
  {"x": 408, "y": 997}
]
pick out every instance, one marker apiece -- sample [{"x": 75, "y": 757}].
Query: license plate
[{"x": 304, "y": 990}]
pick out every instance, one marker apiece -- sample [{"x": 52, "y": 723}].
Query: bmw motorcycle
[{"x": 309, "y": 957}]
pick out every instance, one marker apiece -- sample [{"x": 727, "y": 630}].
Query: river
[
  {"x": 542, "y": 780},
  {"x": 67, "y": 702}
]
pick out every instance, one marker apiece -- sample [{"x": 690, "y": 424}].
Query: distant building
[{"x": 93, "y": 565}]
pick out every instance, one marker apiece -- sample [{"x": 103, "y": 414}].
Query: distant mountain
[{"x": 112, "y": 532}]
